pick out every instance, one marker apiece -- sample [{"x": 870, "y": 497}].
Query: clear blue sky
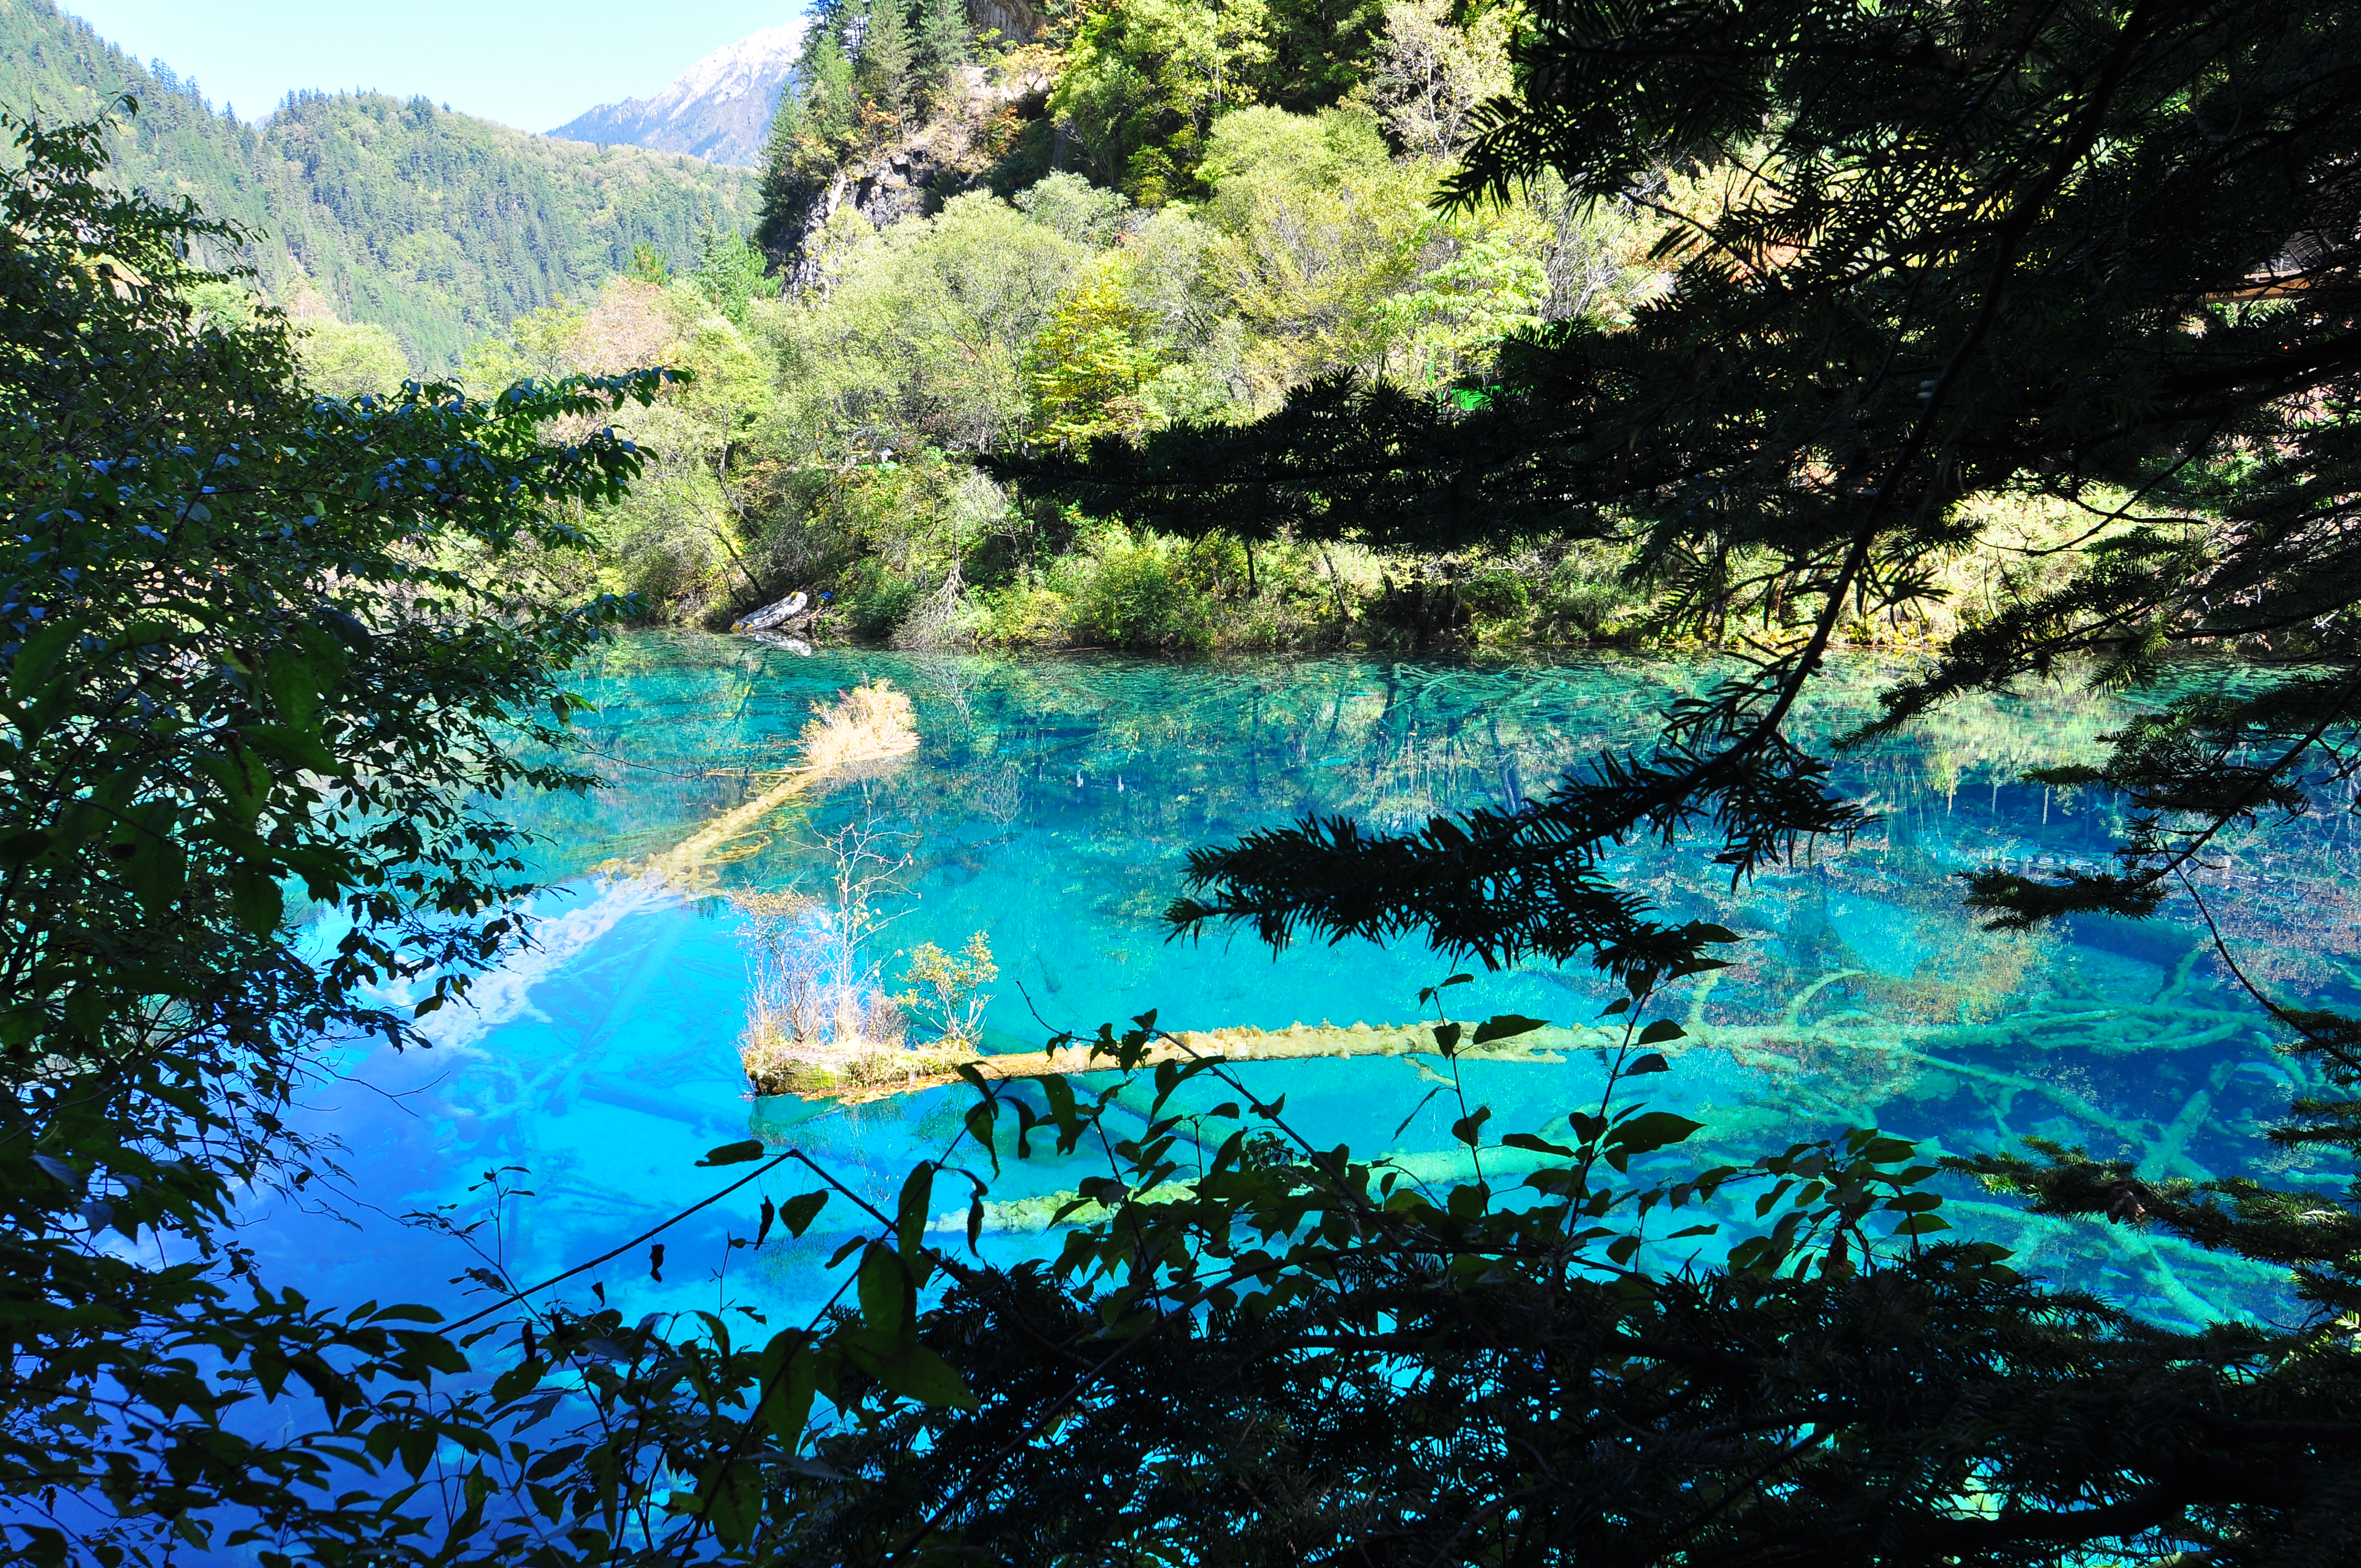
[{"x": 529, "y": 63}]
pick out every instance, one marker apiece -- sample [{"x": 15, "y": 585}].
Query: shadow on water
[{"x": 1051, "y": 804}]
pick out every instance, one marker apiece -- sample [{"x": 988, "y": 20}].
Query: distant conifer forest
[{"x": 433, "y": 226}]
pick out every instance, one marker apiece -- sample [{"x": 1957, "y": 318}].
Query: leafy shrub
[
  {"x": 1500, "y": 601},
  {"x": 1138, "y": 593},
  {"x": 1581, "y": 601},
  {"x": 876, "y": 601},
  {"x": 1215, "y": 564},
  {"x": 1024, "y": 613},
  {"x": 1499, "y": 592}
]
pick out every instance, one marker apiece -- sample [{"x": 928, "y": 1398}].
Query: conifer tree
[
  {"x": 887, "y": 57},
  {"x": 2104, "y": 255},
  {"x": 945, "y": 40},
  {"x": 778, "y": 215},
  {"x": 814, "y": 129}
]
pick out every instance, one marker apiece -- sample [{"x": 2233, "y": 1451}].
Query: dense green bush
[
  {"x": 876, "y": 601},
  {"x": 1142, "y": 592},
  {"x": 1497, "y": 593},
  {"x": 1524, "y": 598}
]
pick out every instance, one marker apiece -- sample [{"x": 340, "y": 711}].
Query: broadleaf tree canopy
[{"x": 261, "y": 645}]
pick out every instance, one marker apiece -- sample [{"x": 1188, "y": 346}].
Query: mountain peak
[{"x": 718, "y": 109}]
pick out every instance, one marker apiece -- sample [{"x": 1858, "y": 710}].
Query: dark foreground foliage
[
  {"x": 2101, "y": 254},
  {"x": 252, "y": 649},
  {"x": 1932, "y": 1411}
]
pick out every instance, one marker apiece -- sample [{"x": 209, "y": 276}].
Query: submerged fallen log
[
  {"x": 821, "y": 1075},
  {"x": 869, "y": 725},
  {"x": 1778, "y": 1045}
]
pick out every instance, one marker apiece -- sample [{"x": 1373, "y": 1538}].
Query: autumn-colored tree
[{"x": 1084, "y": 372}]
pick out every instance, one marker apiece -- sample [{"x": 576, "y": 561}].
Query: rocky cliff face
[
  {"x": 1017, "y": 21},
  {"x": 718, "y": 109},
  {"x": 954, "y": 152}
]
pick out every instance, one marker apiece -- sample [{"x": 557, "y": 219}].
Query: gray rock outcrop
[{"x": 952, "y": 152}]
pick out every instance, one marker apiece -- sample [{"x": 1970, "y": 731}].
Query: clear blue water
[{"x": 1051, "y": 805}]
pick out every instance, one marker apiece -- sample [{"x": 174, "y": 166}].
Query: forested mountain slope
[
  {"x": 991, "y": 227},
  {"x": 438, "y": 225}
]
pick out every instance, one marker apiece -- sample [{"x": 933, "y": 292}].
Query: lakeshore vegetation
[{"x": 2031, "y": 335}]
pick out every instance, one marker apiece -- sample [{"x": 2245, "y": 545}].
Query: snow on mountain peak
[
  {"x": 718, "y": 109},
  {"x": 735, "y": 70}
]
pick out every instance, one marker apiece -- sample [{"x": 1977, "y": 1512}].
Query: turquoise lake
[{"x": 1051, "y": 805}]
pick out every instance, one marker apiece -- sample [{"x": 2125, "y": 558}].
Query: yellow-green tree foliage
[
  {"x": 1146, "y": 80},
  {"x": 1429, "y": 75},
  {"x": 345, "y": 359},
  {"x": 1334, "y": 260},
  {"x": 1085, "y": 369}
]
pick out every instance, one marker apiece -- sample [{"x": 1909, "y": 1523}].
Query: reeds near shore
[{"x": 819, "y": 1019}]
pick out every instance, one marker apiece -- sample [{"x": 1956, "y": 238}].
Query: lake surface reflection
[{"x": 1051, "y": 805}]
